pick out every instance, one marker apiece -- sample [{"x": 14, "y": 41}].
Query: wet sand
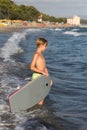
[
  {"x": 10, "y": 29},
  {"x": 14, "y": 28}
]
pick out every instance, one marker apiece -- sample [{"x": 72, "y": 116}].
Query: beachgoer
[{"x": 38, "y": 64}]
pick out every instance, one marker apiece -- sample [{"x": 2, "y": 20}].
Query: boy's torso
[{"x": 41, "y": 63}]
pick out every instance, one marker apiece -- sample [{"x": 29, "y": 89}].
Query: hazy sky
[{"x": 59, "y": 8}]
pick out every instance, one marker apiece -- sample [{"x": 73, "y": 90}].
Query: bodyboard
[{"x": 30, "y": 94}]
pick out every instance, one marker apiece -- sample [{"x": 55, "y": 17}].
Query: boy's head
[{"x": 41, "y": 41}]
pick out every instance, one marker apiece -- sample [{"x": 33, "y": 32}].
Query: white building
[
  {"x": 40, "y": 18},
  {"x": 74, "y": 21}
]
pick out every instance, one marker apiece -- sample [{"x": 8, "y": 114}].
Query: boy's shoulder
[{"x": 36, "y": 54}]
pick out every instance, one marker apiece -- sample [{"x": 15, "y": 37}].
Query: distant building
[
  {"x": 74, "y": 21},
  {"x": 40, "y": 18}
]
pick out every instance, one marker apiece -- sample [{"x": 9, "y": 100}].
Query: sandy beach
[
  {"x": 18, "y": 28},
  {"x": 10, "y": 29}
]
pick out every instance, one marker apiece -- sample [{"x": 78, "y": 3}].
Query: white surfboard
[{"x": 30, "y": 94}]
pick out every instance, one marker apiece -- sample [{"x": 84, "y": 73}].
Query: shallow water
[{"x": 65, "y": 107}]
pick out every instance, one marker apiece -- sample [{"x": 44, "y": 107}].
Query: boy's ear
[{"x": 41, "y": 45}]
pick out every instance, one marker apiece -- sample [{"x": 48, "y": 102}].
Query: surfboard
[{"x": 30, "y": 94}]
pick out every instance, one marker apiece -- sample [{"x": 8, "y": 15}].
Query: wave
[
  {"x": 75, "y": 33},
  {"x": 72, "y": 33},
  {"x": 33, "y": 30},
  {"x": 4, "y": 108},
  {"x": 58, "y": 29},
  {"x": 12, "y": 45},
  {"x": 75, "y": 29}
]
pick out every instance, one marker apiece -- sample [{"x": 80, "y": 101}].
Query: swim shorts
[{"x": 35, "y": 75}]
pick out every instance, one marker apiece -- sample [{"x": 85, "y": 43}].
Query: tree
[{"x": 10, "y": 10}]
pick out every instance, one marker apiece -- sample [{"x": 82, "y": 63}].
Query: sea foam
[{"x": 12, "y": 45}]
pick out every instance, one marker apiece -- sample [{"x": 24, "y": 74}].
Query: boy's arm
[
  {"x": 32, "y": 66},
  {"x": 46, "y": 70}
]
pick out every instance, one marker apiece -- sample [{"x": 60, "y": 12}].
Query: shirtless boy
[{"x": 38, "y": 64}]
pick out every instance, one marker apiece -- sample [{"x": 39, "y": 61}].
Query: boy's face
[{"x": 43, "y": 47}]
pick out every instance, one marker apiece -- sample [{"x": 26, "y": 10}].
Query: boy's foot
[{"x": 41, "y": 103}]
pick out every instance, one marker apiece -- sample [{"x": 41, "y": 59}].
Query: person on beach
[{"x": 38, "y": 64}]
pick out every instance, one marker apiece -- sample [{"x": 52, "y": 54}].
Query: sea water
[{"x": 65, "y": 108}]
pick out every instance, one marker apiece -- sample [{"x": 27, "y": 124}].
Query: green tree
[{"x": 10, "y": 10}]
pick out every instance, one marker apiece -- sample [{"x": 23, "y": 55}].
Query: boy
[{"x": 38, "y": 64}]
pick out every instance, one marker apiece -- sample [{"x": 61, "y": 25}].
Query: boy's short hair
[{"x": 41, "y": 41}]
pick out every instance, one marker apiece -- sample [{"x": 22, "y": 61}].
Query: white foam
[
  {"x": 20, "y": 120},
  {"x": 12, "y": 45},
  {"x": 4, "y": 108},
  {"x": 72, "y": 33},
  {"x": 33, "y": 30},
  {"x": 58, "y": 29},
  {"x": 19, "y": 128},
  {"x": 75, "y": 29},
  {"x": 75, "y": 33}
]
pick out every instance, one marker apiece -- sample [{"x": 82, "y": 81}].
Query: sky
[{"x": 58, "y": 8}]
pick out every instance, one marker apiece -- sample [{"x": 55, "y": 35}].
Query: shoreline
[{"x": 9, "y": 29}]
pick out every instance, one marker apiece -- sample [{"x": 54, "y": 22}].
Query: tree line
[
  {"x": 10, "y": 10},
  {"x": 83, "y": 21}
]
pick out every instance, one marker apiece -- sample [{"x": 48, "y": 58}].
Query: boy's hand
[{"x": 44, "y": 73}]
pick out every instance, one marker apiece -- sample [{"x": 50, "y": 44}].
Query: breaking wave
[{"x": 75, "y": 33}]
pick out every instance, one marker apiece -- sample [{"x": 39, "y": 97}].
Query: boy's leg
[{"x": 41, "y": 102}]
